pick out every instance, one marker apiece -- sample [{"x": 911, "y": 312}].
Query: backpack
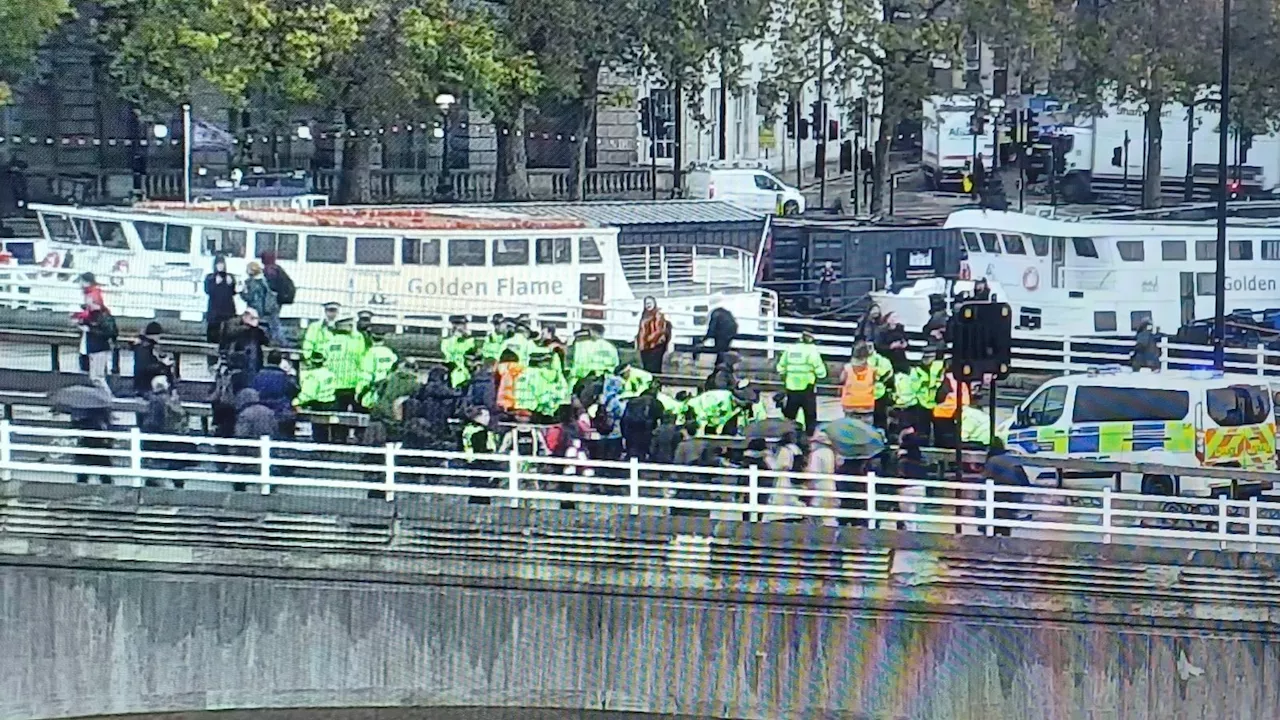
[
  {"x": 270, "y": 302},
  {"x": 286, "y": 291}
]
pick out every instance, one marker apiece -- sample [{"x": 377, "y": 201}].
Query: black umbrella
[
  {"x": 768, "y": 429},
  {"x": 81, "y": 398}
]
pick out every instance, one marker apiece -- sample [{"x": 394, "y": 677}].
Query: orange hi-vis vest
[
  {"x": 858, "y": 394},
  {"x": 508, "y": 373},
  {"x": 949, "y": 405}
]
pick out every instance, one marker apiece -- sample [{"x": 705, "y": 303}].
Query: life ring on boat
[
  {"x": 1031, "y": 279},
  {"x": 965, "y": 274},
  {"x": 118, "y": 271}
]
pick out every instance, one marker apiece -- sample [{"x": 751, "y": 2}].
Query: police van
[{"x": 1196, "y": 418}]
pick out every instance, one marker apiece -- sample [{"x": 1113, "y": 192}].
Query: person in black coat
[
  {"x": 722, "y": 328},
  {"x": 245, "y": 343},
  {"x": 220, "y": 286},
  {"x": 277, "y": 387},
  {"x": 149, "y": 364}
]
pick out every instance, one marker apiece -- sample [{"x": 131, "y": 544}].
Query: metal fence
[{"x": 525, "y": 480}]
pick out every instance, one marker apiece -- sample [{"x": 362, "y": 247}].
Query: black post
[
  {"x": 820, "y": 156},
  {"x": 1053, "y": 173},
  {"x": 991, "y": 410},
  {"x": 1024, "y": 145},
  {"x": 995, "y": 143},
  {"x": 1125, "y": 161},
  {"x": 1189, "y": 183},
  {"x": 799, "y": 146},
  {"x": 893, "y": 185},
  {"x": 857, "y": 176},
  {"x": 1220, "y": 266},
  {"x": 958, "y": 416}
]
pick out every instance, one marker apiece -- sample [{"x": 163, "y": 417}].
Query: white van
[
  {"x": 1188, "y": 418},
  {"x": 744, "y": 183}
]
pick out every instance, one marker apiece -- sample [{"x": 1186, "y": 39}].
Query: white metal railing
[
  {"x": 266, "y": 466},
  {"x": 759, "y": 334}
]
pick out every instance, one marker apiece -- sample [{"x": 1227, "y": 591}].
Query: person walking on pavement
[
  {"x": 257, "y": 294},
  {"x": 319, "y": 334},
  {"x": 220, "y": 287},
  {"x": 722, "y": 328},
  {"x": 801, "y": 367},
  {"x": 827, "y": 277},
  {"x": 653, "y": 337}
]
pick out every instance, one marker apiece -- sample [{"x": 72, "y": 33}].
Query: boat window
[
  {"x": 1098, "y": 404},
  {"x": 87, "y": 236},
  {"x": 331, "y": 249},
  {"x": 420, "y": 251},
  {"x": 971, "y": 241},
  {"x": 1104, "y": 321},
  {"x": 111, "y": 234},
  {"x": 466, "y": 252},
  {"x": 150, "y": 234},
  {"x": 1173, "y": 250},
  {"x": 510, "y": 252},
  {"x": 1271, "y": 249},
  {"x": 1206, "y": 249},
  {"x": 1137, "y": 317},
  {"x": 1013, "y": 244},
  {"x": 375, "y": 251},
  {"x": 1084, "y": 247},
  {"x": 60, "y": 229},
  {"x": 1131, "y": 250},
  {"x": 284, "y": 245},
  {"x": 1240, "y": 250},
  {"x": 1040, "y": 244},
  {"x": 230, "y": 243},
  {"x": 177, "y": 239},
  {"x": 990, "y": 243},
  {"x": 555, "y": 251},
  {"x": 588, "y": 251},
  {"x": 1046, "y": 408},
  {"x": 1238, "y": 405},
  {"x": 1205, "y": 283}
]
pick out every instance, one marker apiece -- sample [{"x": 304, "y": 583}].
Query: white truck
[
  {"x": 947, "y": 141},
  {"x": 1092, "y": 154}
]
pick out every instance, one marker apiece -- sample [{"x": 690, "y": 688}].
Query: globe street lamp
[{"x": 444, "y": 188}]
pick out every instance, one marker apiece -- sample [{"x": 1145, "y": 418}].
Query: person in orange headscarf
[{"x": 653, "y": 338}]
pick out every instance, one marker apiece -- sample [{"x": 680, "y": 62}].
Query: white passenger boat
[
  {"x": 402, "y": 262},
  {"x": 1102, "y": 275}
]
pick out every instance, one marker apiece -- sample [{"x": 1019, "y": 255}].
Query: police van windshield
[
  {"x": 1238, "y": 405},
  {"x": 1109, "y": 404}
]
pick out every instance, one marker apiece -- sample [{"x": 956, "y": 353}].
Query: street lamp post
[
  {"x": 1220, "y": 266},
  {"x": 444, "y": 187}
]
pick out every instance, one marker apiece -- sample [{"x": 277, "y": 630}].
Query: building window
[
  {"x": 1240, "y": 250},
  {"x": 662, "y": 135},
  {"x": 1104, "y": 321},
  {"x": 741, "y": 106},
  {"x": 714, "y": 125},
  {"x": 1131, "y": 250},
  {"x": 1206, "y": 249},
  {"x": 1173, "y": 250}
]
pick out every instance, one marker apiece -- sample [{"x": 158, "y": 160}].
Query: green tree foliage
[
  {"x": 367, "y": 62},
  {"x": 24, "y": 24},
  {"x": 574, "y": 41},
  {"x": 1146, "y": 52}
]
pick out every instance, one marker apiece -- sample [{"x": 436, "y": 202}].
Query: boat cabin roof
[{"x": 443, "y": 218}]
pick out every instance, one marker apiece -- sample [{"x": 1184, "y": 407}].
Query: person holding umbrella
[{"x": 90, "y": 409}]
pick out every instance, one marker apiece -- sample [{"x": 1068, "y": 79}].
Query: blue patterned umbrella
[{"x": 854, "y": 439}]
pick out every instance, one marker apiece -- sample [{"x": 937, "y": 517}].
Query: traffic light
[
  {"x": 1031, "y": 133},
  {"x": 793, "y": 109},
  {"x": 816, "y": 119},
  {"x": 978, "y": 123},
  {"x": 981, "y": 339}
]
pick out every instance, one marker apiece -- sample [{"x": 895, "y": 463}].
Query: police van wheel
[
  {"x": 791, "y": 207},
  {"x": 1157, "y": 485}
]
